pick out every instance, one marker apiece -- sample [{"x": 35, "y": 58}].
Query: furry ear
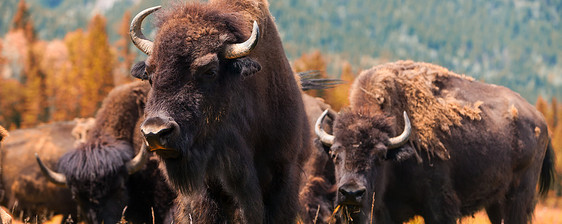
[
  {"x": 245, "y": 66},
  {"x": 400, "y": 154},
  {"x": 138, "y": 71}
]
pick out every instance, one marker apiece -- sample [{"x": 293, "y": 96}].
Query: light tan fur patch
[
  {"x": 514, "y": 112},
  {"x": 537, "y": 132}
]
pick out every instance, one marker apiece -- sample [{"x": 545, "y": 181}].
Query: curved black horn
[
  {"x": 233, "y": 51},
  {"x": 324, "y": 137},
  {"x": 402, "y": 138},
  {"x": 56, "y": 178},
  {"x": 138, "y": 162},
  {"x": 138, "y": 38}
]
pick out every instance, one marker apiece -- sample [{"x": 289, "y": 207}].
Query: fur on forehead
[
  {"x": 353, "y": 125},
  {"x": 207, "y": 19}
]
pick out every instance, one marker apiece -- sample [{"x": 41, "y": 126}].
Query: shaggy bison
[
  {"x": 225, "y": 113},
  {"x": 470, "y": 145},
  {"x": 25, "y": 191},
  {"x": 103, "y": 173}
]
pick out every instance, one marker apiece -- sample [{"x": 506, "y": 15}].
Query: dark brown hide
[
  {"x": 235, "y": 129},
  {"x": 96, "y": 170},
  {"x": 317, "y": 192},
  {"x": 24, "y": 187},
  {"x": 495, "y": 144}
]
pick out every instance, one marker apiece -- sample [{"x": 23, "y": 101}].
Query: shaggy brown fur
[
  {"x": 497, "y": 148},
  {"x": 96, "y": 172},
  {"x": 242, "y": 140},
  {"x": 23, "y": 186},
  {"x": 416, "y": 88},
  {"x": 318, "y": 190}
]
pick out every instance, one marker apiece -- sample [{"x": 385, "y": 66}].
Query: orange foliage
[
  {"x": 337, "y": 97},
  {"x": 56, "y": 80},
  {"x": 124, "y": 52}
]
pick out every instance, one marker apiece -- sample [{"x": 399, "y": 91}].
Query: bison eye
[{"x": 208, "y": 76}]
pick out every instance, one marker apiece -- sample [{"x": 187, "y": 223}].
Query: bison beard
[
  {"x": 225, "y": 115},
  {"x": 496, "y": 148}
]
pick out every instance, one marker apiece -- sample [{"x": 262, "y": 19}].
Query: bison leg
[
  {"x": 282, "y": 200},
  {"x": 520, "y": 202},
  {"x": 442, "y": 204},
  {"x": 241, "y": 182},
  {"x": 495, "y": 213}
]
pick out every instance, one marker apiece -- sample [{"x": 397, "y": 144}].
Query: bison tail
[
  {"x": 547, "y": 171},
  {"x": 312, "y": 80}
]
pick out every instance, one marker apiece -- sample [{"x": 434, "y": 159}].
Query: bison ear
[
  {"x": 138, "y": 71},
  {"x": 400, "y": 154},
  {"x": 246, "y": 67}
]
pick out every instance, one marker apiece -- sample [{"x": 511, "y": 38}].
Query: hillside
[{"x": 514, "y": 43}]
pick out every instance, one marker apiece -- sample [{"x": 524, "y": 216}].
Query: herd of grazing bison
[{"x": 219, "y": 130}]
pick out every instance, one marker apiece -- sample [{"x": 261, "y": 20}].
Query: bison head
[
  {"x": 97, "y": 175},
  {"x": 196, "y": 65},
  {"x": 361, "y": 150}
]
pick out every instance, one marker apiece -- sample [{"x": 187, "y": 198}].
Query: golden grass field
[{"x": 548, "y": 212}]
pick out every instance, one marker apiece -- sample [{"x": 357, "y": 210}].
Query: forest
[{"x": 56, "y": 69}]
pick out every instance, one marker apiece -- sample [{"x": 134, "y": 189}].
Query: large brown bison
[
  {"x": 224, "y": 113},
  {"x": 25, "y": 191},
  {"x": 470, "y": 145},
  {"x": 103, "y": 173}
]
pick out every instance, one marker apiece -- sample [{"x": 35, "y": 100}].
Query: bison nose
[
  {"x": 352, "y": 193},
  {"x": 158, "y": 131}
]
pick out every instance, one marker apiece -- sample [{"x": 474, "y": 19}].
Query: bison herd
[{"x": 221, "y": 132}]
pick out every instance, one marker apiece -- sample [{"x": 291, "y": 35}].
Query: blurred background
[{"x": 59, "y": 58}]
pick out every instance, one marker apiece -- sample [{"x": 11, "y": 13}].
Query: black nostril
[
  {"x": 352, "y": 193},
  {"x": 157, "y": 129}
]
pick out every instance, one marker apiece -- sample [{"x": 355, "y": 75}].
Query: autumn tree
[
  {"x": 22, "y": 21},
  {"x": 338, "y": 96},
  {"x": 35, "y": 107},
  {"x": 97, "y": 79},
  {"x": 125, "y": 55}
]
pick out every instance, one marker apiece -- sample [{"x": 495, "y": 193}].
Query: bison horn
[
  {"x": 138, "y": 162},
  {"x": 402, "y": 138},
  {"x": 138, "y": 38},
  {"x": 324, "y": 137},
  {"x": 56, "y": 178},
  {"x": 233, "y": 51}
]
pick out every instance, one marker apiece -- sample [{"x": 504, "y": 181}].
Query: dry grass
[{"x": 545, "y": 213}]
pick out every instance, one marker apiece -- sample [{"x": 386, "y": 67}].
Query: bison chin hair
[{"x": 186, "y": 173}]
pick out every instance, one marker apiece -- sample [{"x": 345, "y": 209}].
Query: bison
[
  {"x": 470, "y": 145},
  {"x": 110, "y": 170},
  {"x": 225, "y": 113},
  {"x": 25, "y": 191}
]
